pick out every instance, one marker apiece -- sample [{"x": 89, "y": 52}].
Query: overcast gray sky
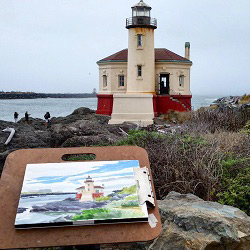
[{"x": 53, "y": 45}]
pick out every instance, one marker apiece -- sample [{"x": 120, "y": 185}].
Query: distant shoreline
[
  {"x": 44, "y": 194},
  {"x": 31, "y": 95}
]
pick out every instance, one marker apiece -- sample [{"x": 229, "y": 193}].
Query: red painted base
[
  {"x": 164, "y": 103},
  {"x": 105, "y": 104}
]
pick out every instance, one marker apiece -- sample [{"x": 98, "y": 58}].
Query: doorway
[{"x": 164, "y": 84}]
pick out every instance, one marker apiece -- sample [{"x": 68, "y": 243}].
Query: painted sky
[
  {"x": 66, "y": 177},
  {"x": 53, "y": 46}
]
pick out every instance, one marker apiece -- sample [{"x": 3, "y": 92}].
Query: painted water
[
  {"x": 28, "y": 202},
  {"x": 65, "y": 106}
]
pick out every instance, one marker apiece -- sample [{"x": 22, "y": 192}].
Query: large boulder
[{"x": 192, "y": 223}]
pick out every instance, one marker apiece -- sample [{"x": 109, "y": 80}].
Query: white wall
[{"x": 112, "y": 70}]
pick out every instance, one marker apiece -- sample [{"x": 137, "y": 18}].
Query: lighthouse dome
[{"x": 141, "y": 4}]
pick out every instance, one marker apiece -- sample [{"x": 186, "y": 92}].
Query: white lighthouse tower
[{"x": 136, "y": 105}]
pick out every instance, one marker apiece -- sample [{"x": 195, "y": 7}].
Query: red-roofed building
[
  {"x": 89, "y": 192},
  {"x": 141, "y": 82}
]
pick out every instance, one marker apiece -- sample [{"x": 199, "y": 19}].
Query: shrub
[
  {"x": 235, "y": 184},
  {"x": 245, "y": 99},
  {"x": 220, "y": 119},
  {"x": 246, "y": 129}
]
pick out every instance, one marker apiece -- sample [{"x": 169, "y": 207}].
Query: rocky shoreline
[
  {"x": 188, "y": 221},
  {"x": 82, "y": 128}
]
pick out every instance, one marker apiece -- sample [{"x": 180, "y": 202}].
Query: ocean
[{"x": 65, "y": 106}]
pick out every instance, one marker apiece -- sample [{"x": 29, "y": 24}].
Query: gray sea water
[
  {"x": 65, "y": 106},
  {"x": 31, "y": 218}
]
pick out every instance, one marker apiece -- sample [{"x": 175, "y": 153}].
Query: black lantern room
[{"x": 141, "y": 17}]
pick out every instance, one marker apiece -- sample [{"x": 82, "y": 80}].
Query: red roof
[
  {"x": 160, "y": 55},
  {"x": 98, "y": 187}
]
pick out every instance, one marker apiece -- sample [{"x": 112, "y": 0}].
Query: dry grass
[
  {"x": 245, "y": 99},
  {"x": 212, "y": 120}
]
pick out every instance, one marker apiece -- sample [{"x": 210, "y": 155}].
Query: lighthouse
[
  {"x": 142, "y": 82},
  {"x": 141, "y": 50}
]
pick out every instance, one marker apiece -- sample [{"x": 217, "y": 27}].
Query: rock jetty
[{"x": 82, "y": 128}]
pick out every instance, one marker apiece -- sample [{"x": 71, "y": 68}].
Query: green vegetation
[
  {"x": 130, "y": 190},
  {"x": 245, "y": 99},
  {"x": 130, "y": 204},
  {"x": 246, "y": 129},
  {"x": 131, "y": 198},
  {"x": 235, "y": 184},
  {"x": 92, "y": 214},
  {"x": 102, "y": 199},
  {"x": 80, "y": 157},
  {"x": 208, "y": 157}
]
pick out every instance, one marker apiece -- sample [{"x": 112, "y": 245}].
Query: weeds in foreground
[{"x": 203, "y": 164}]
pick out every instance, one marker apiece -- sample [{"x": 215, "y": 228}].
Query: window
[
  {"x": 139, "y": 69},
  {"x": 121, "y": 81},
  {"x": 97, "y": 191},
  {"x": 105, "y": 81},
  {"x": 139, "y": 43},
  {"x": 181, "y": 81}
]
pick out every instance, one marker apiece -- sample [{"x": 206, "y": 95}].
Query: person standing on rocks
[
  {"x": 26, "y": 115},
  {"x": 16, "y": 116},
  {"x": 47, "y": 118}
]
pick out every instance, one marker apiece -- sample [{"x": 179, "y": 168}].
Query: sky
[
  {"x": 66, "y": 177},
  {"x": 52, "y": 46}
]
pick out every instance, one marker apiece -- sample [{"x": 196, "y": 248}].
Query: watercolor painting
[{"x": 79, "y": 193}]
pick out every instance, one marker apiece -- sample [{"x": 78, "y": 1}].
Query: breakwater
[{"x": 31, "y": 95}]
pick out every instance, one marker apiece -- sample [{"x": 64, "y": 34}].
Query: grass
[{"x": 79, "y": 157}]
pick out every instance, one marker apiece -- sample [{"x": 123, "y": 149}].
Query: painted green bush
[
  {"x": 131, "y": 198},
  {"x": 102, "y": 199},
  {"x": 92, "y": 214},
  {"x": 129, "y": 190},
  {"x": 130, "y": 204}
]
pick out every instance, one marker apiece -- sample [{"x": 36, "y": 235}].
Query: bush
[
  {"x": 235, "y": 184},
  {"x": 245, "y": 99},
  {"x": 220, "y": 119}
]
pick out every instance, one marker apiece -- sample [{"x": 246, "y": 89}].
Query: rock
[
  {"x": 67, "y": 205},
  {"x": 191, "y": 223},
  {"x": 21, "y": 210},
  {"x": 81, "y": 128},
  {"x": 83, "y": 111}
]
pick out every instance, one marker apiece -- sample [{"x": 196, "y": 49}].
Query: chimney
[{"x": 187, "y": 50}]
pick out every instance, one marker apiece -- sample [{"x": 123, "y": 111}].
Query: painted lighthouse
[
  {"x": 141, "y": 82},
  {"x": 89, "y": 192}
]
